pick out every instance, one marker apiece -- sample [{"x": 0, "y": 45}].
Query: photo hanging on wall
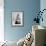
[{"x": 17, "y": 19}]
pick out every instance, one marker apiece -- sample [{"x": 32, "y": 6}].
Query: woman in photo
[{"x": 18, "y": 19}]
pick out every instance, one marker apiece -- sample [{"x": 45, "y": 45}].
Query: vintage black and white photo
[{"x": 17, "y": 18}]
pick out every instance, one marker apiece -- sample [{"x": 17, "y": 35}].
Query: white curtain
[{"x": 1, "y": 20}]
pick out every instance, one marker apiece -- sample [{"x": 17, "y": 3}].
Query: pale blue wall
[
  {"x": 29, "y": 7},
  {"x": 43, "y": 6}
]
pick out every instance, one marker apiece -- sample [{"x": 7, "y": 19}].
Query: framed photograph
[{"x": 17, "y": 18}]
